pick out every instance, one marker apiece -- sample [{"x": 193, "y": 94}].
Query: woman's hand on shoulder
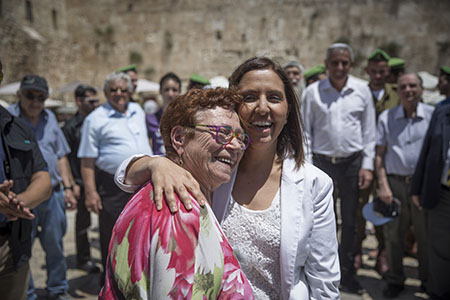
[{"x": 168, "y": 179}]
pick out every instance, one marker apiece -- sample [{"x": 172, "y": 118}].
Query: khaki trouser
[
  {"x": 13, "y": 283},
  {"x": 395, "y": 232}
]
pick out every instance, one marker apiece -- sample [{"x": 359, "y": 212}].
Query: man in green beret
[
  {"x": 444, "y": 85},
  {"x": 316, "y": 73},
  {"x": 197, "y": 82},
  {"x": 397, "y": 69},
  {"x": 131, "y": 70},
  {"x": 384, "y": 97}
]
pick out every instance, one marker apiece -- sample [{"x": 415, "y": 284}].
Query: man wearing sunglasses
[
  {"x": 24, "y": 183},
  {"x": 86, "y": 100},
  {"x": 109, "y": 135},
  {"x": 50, "y": 215}
]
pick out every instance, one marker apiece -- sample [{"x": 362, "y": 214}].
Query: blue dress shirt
[
  {"x": 403, "y": 137},
  {"x": 50, "y": 137},
  {"x": 111, "y": 136}
]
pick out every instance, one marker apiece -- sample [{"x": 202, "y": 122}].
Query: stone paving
[{"x": 86, "y": 286}]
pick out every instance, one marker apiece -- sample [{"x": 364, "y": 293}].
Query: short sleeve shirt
[
  {"x": 50, "y": 137},
  {"x": 111, "y": 136}
]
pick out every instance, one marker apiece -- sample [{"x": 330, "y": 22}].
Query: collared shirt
[
  {"x": 72, "y": 132},
  {"x": 111, "y": 136},
  {"x": 340, "y": 123},
  {"x": 50, "y": 137},
  {"x": 403, "y": 137}
]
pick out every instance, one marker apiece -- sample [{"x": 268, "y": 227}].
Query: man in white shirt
[
  {"x": 339, "y": 118},
  {"x": 110, "y": 134},
  {"x": 400, "y": 134}
]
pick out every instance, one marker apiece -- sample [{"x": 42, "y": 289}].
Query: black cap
[{"x": 34, "y": 82}]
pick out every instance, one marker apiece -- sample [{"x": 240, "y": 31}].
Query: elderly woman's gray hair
[
  {"x": 340, "y": 46},
  {"x": 113, "y": 77}
]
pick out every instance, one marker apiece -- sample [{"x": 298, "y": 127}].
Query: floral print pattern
[{"x": 159, "y": 255}]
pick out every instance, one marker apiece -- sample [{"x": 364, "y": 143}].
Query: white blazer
[{"x": 309, "y": 249}]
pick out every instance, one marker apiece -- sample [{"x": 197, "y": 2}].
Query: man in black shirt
[
  {"x": 86, "y": 100},
  {"x": 24, "y": 183}
]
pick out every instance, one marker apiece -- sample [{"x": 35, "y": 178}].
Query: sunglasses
[
  {"x": 225, "y": 134},
  {"x": 115, "y": 90},
  {"x": 31, "y": 96},
  {"x": 92, "y": 101}
]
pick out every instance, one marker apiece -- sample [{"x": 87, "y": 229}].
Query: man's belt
[
  {"x": 405, "y": 178},
  {"x": 336, "y": 159}
]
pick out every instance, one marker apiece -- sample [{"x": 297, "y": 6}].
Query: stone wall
[{"x": 92, "y": 38}]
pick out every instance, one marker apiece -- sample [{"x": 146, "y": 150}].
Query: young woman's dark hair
[
  {"x": 291, "y": 138},
  {"x": 168, "y": 76}
]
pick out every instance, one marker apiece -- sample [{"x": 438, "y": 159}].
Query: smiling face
[
  {"x": 409, "y": 90},
  {"x": 338, "y": 64},
  {"x": 118, "y": 95},
  {"x": 265, "y": 109},
  {"x": 31, "y": 102},
  {"x": 209, "y": 162}
]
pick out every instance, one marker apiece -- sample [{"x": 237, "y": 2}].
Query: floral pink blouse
[{"x": 159, "y": 255}]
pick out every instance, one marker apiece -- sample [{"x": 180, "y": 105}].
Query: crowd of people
[{"x": 235, "y": 188}]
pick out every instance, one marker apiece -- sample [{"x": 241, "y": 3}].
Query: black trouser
[
  {"x": 344, "y": 172},
  {"x": 82, "y": 224},
  {"x": 439, "y": 247},
  {"x": 113, "y": 202}
]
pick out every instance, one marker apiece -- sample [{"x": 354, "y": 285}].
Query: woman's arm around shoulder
[{"x": 168, "y": 179}]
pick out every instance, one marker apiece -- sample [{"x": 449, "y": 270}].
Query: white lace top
[{"x": 255, "y": 238}]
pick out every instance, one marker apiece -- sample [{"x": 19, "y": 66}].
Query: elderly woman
[
  {"x": 277, "y": 212},
  {"x": 158, "y": 255}
]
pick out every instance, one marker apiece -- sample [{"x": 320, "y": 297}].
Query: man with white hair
[
  {"x": 109, "y": 135},
  {"x": 339, "y": 118},
  {"x": 295, "y": 71}
]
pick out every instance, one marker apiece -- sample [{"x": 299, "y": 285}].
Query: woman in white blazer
[{"x": 277, "y": 212}]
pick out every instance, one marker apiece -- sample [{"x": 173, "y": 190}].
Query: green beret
[
  {"x": 199, "y": 79},
  {"x": 127, "y": 68},
  {"x": 445, "y": 69},
  {"x": 316, "y": 70},
  {"x": 396, "y": 63},
  {"x": 378, "y": 55}
]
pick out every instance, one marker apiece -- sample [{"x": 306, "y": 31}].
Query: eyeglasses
[
  {"x": 31, "y": 96},
  {"x": 117, "y": 89},
  {"x": 225, "y": 134}
]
